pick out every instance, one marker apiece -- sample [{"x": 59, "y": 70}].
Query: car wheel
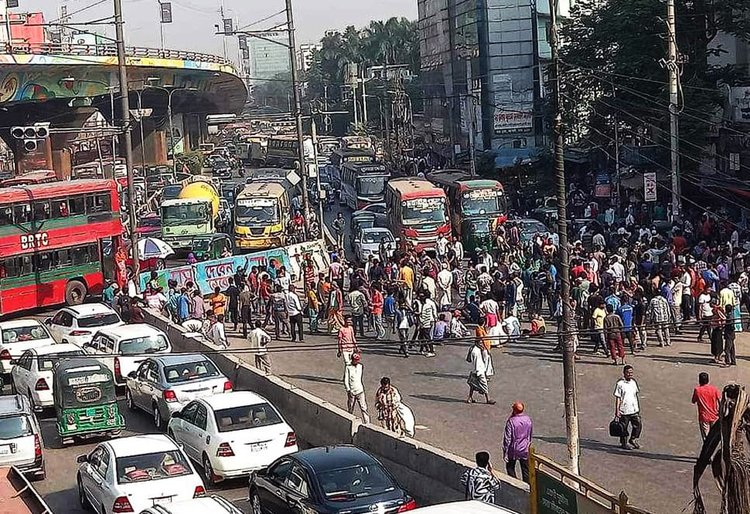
[
  {"x": 157, "y": 417},
  {"x": 75, "y": 292},
  {"x": 129, "y": 399},
  {"x": 255, "y": 502},
  {"x": 82, "y": 495},
  {"x": 208, "y": 471}
]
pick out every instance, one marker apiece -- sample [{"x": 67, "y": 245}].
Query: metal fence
[{"x": 108, "y": 50}]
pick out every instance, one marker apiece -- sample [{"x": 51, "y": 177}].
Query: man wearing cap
[
  {"x": 517, "y": 440},
  {"x": 355, "y": 389}
]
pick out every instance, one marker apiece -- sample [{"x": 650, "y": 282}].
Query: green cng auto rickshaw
[
  {"x": 85, "y": 400},
  {"x": 211, "y": 246},
  {"x": 476, "y": 233}
]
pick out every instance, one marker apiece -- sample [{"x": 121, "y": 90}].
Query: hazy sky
[{"x": 193, "y": 27}]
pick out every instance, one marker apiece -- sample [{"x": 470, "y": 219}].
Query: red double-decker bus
[
  {"x": 57, "y": 242},
  {"x": 417, "y": 212}
]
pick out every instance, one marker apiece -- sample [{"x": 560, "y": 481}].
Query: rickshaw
[
  {"x": 85, "y": 400},
  {"x": 360, "y": 221},
  {"x": 476, "y": 233},
  {"x": 211, "y": 246}
]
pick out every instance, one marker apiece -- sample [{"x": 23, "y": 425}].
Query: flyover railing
[{"x": 108, "y": 50}]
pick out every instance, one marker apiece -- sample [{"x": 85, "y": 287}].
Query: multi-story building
[
  {"x": 482, "y": 66},
  {"x": 305, "y": 55},
  {"x": 267, "y": 59}
]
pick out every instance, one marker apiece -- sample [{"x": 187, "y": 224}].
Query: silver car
[
  {"x": 164, "y": 384},
  {"x": 21, "y": 442}
]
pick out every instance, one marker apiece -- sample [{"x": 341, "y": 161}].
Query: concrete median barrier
[{"x": 429, "y": 473}]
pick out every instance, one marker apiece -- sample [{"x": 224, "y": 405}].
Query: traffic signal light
[{"x": 30, "y": 135}]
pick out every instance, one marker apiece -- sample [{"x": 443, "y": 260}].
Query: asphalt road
[{"x": 59, "y": 488}]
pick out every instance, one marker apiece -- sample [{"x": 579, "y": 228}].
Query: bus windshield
[
  {"x": 482, "y": 201},
  {"x": 423, "y": 210},
  {"x": 257, "y": 211},
  {"x": 371, "y": 186},
  {"x": 184, "y": 214}
]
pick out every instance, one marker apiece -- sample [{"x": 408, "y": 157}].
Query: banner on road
[{"x": 211, "y": 274}]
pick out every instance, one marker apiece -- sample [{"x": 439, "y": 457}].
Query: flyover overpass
[{"x": 65, "y": 83}]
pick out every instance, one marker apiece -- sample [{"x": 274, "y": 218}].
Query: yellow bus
[{"x": 261, "y": 214}]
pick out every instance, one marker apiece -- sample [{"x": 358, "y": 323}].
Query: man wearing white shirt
[
  {"x": 355, "y": 389},
  {"x": 445, "y": 285},
  {"x": 283, "y": 280},
  {"x": 627, "y": 408},
  {"x": 294, "y": 308},
  {"x": 258, "y": 340}
]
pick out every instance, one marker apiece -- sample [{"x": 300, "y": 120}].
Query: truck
[
  {"x": 194, "y": 214},
  {"x": 17, "y": 494}
]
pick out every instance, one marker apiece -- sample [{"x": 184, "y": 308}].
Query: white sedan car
[
  {"x": 123, "y": 348},
  {"x": 233, "y": 434},
  {"x": 16, "y": 337},
  {"x": 77, "y": 324},
  {"x": 131, "y": 474},
  {"x": 369, "y": 243},
  {"x": 32, "y": 373}
]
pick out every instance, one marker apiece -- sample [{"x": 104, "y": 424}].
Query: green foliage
[
  {"x": 611, "y": 57},
  {"x": 193, "y": 160},
  {"x": 394, "y": 41},
  {"x": 274, "y": 91}
]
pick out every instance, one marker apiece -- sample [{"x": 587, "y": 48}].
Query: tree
[
  {"x": 275, "y": 91},
  {"x": 611, "y": 63}
]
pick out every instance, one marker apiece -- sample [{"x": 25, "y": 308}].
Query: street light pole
[
  {"x": 297, "y": 108},
  {"x": 171, "y": 130},
  {"x": 125, "y": 105}
]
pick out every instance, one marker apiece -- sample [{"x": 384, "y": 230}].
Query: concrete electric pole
[
  {"x": 569, "y": 332},
  {"x": 673, "y": 67},
  {"x": 125, "y": 107}
]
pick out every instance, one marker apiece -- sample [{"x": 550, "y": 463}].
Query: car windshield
[
  {"x": 148, "y": 344},
  {"x": 151, "y": 466},
  {"x": 14, "y": 426},
  {"x": 180, "y": 373},
  {"x": 27, "y": 333},
  {"x": 376, "y": 237},
  {"x": 184, "y": 214},
  {"x": 371, "y": 186},
  {"x": 531, "y": 227},
  {"x": 99, "y": 320},
  {"x": 47, "y": 362},
  {"x": 151, "y": 221},
  {"x": 171, "y": 192},
  {"x": 479, "y": 227},
  {"x": 246, "y": 416},
  {"x": 423, "y": 210},
  {"x": 355, "y": 482},
  {"x": 257, "y": 211},
  {"x": 482, "y": 201}
]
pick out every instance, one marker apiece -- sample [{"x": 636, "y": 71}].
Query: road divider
[{"x": 429, "y": 473}]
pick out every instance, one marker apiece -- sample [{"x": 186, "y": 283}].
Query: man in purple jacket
[{"x": 518, "y": 430}]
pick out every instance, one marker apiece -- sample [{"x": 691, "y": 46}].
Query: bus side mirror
[{"x": 81, "y": 459}]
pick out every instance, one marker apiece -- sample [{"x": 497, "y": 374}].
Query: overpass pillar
[{"x": 153, "y": 147}]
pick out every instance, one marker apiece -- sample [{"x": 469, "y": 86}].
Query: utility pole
[
  {"x": 387, "y": 114},
  {"x": 364, "y": 97},
  {"x": 569, "y": 363},
  {"x": 314, "y": 133},
  {"x": 470, "y": 114},
  {"x": 298, "y": 110},
  {"x": 674, "y": 110},
  {"x": 125, "y": 107}
]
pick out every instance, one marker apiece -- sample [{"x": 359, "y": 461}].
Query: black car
[{"x": 330, "y": 480}]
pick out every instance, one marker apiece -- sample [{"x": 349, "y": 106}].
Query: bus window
[
  {"x": 60, "y": 208},
  {"x": 44, "y": 262},
  {"x": 41, "y": 210},
  {"x": 97, "y": 203},
  {"x": 22, "y": 213},
  {"x": 6, "y": 216},
  {"x": 76, "y": 205},
  {"x": 79, "y": 256},
  {"x": 62, "y": 258}
]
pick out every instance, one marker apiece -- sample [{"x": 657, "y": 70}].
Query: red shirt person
[{"x": 706, "y": 396}]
